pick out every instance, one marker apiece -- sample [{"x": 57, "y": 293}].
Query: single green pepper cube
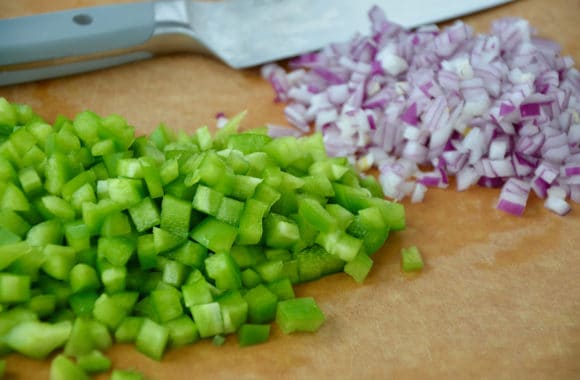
[
  {"x": 182, "y": 331},
  {"x": 359, "y": 268},
  {"x": 125, "y": 191},
  {"x": 250, "y": 278},
  {"x": 62, "y": 368},
  {"x": 82, "y": 303},
  {"x": 244, "y": 186},
  {"x": 250, "y": 227},
  {"x": 13, "y": 198},
  {"x": 80, "y": 342},
  {"x": 280, "y": 232},
  {"x": 190, "y": 253},
  {"x": 222, "y": 268},
  {"x": 165, "y": 241},
  {"x": 230, "y": 211},
  {"x": 129, "y": 168},
  {"x": 145, "y": 215},
  {"x": 175, "y": 215},
  {"x": 251, "y": 334},
  {"x": 117, "y": 249},
  {"x": 13, "y": 222},
  {"x": 309, "y": 263},
  {"x": 94, "y": 362},
  {"x": 340, "y": 244},
  {"x": 114, "y": 278},
  {"x": 30, "y": 181},
  {"x": 14, "y": 288},
  {"x": 261, "y": 304},
  {"x": 112, "y": 309},
  {"x": 9, "y": 253},
  {"x": 284, "y": 150},
  {"x": 167, "y": 304},
  {"x": 270, "y": 271},
  {"x": 299, "y": 314},
  {"x": 83, "y": 277},
  {"x": 315, "y": 214},
  {"x": 77, "y": 235},
  {"x": 341, "y": 215},
  {"x": 84, "y": 194},
  {"x": 152, "y": 339},
  {"x": 207, "y": 200},
  {"x": 146, "y": 251},
  {"x": 282, "y": 288},
  {"x": 208, "y": 319},
  {"x": 174, "y": 273},
  {"x": 116, "y": 224},
  {"x": 411, "y": 259},
  {"x": 59, "y": 260},
  {"x": 214, "y": 234},
  {"x": 234, "y": 309},
  {"x": 196, "y": 293},
  {"x": 128, "y": 330}
]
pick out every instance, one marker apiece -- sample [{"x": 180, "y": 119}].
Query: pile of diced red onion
[{"x": 497, "y": 110}]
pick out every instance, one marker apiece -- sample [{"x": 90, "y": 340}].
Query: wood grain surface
[{"x": 500, "y": 295}]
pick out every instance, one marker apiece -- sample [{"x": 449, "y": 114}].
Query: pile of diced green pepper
[{"x": 164, "y": 239}]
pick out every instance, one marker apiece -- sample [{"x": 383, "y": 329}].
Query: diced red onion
[{"x": 498, "y": 110}]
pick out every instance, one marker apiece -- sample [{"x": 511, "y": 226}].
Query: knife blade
[{"x": 241, "y": 33}]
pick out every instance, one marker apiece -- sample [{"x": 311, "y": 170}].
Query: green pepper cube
[
  {"x": 125, "y": 191},
  {"x": 359, "y": 268},
  {"x": 214, "y": 234},
  {"x": 190, "y": 253},
  {"x": 411, "y": 259},
  {"x": 270, "y": 271},
  {"x": 340, "y": 244},
  {"x": 13, "y": 198},
  {"x": 14, "y": 288},
  {"x": 299, "y": 314},
  {"x": 9, "y": 253},
  {"x": 83, "y": 277},
  {"x": 251, "y": 334},
  {"x": 222, "y": 268},
  {"x": 94, "y": 362},
  {"x": 165, "y": 241},
  {"x": 261, "y": 304},
  {"x": 182, "y": 331},
  {"x": 230, "y": 211},
  {"x": 196, "y": 293},
  {"x": 175, "y": 215},
  {"x": 208, "y": 319},
  {"x": 284, "y": 150},
  {"x": 207, "y": 200},
  {"x": 250, "y": 278},
  {"x": 234, "y": 310},
  {"x": 117, "y": 249},
  {"x": 251, "y": 222},
  {"x": 59, "y": 260},
  {"x": 128, "y": 330},
  {"x": 315, "y": 214},
  {"x": 116, "y": 224},
  {"x": 145, "y": 215},
  {"x": 62, "y": 368},
  {"x": 146, "y": 251},
  {"x": 112, "y": 309},
  {"x": 167, "y": 304},
  {"x": 282, "y": 288},
  {"x": 152, "y": 339},
  {"x": 281, "y": 232}
]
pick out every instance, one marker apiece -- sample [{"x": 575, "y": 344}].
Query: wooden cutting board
[{"x": 500, "y": 295}]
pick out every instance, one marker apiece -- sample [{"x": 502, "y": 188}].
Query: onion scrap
[{"x": 497, "y": 110}]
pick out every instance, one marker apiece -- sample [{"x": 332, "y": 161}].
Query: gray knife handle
[
  {"x": 75, "y": 32},
  {"x": 80, "y": 40}
]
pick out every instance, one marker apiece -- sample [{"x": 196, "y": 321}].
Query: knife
[{"x": 241, "y": 33}]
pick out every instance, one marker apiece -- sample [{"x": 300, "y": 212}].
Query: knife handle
[{"x": 79, "y": 40}]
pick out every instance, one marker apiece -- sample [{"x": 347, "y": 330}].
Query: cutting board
[{"x": 499, "y": 297}]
